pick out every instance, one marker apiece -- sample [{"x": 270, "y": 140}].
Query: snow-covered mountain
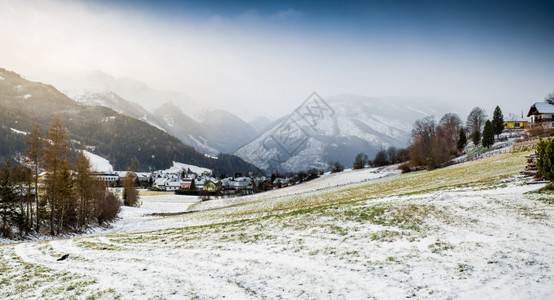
[
  {"x": 218, "y": 131},
  {"x": 335, "y": 129},
  {"x": 100, "y": 97}
]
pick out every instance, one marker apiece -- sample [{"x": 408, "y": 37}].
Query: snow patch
[
  {"x": 145, "y": 119},
  {"x": 19, "y": 131},
  {"x": 178, "y": 167},
  {"x": 98, "y": 164},
  {"x": 2, "y": 78},
  {"x": 27, "y": 96},
  {"x": 169, "y": 121}
]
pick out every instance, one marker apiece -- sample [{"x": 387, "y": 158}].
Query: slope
[
  {"x": 423, "y": 235},
  {"x": 116, "y": 137}
]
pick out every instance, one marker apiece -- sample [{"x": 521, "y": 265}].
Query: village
[{"x": 184, "y": 179}]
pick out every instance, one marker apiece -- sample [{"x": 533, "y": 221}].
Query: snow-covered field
[{"x": 473, "y": 230}]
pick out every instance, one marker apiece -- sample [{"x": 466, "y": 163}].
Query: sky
[{"x": 265, "y": 57}]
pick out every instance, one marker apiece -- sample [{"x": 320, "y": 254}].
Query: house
[
  {"x": 209, "y": 186},
  {"x": 240, "y": 185},
  {"x": 185, "y": 183},
  {"x": 107, "y": 177},
  {"x": 515, "y": 122},
  {"x": 542, "y": 114}
]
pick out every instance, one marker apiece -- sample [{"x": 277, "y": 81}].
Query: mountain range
[
  {"x": 115, "y": 122},
  {"x": 118, "y": 137},
  {"x": 321, "y": 131}
]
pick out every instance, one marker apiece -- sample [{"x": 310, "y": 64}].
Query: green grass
[{"x": 484, "y": 173}]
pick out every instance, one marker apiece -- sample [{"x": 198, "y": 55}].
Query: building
[
  {"x": 542, "y": 114},
  {"x": 515, "y": 122}
]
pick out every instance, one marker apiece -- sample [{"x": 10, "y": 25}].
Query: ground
[{"x": 474, "y": 230}]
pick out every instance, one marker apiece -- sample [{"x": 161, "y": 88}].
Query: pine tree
[
  {"x": 55, "y": 160},
  {"x": 497, "y": 121},
  {"x": 476, "y": 137},
  {"x": 192, "y": 185},
  {"x": 462, "y": 140},
  {"x": 488, "y": 134},
  {"x": 34, "y": 157},
  {"x": 8, "y": 201}
]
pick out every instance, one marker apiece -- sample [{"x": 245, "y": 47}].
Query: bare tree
[
  {"x": 130, "y": 194},
  {"x": 450, "y": 125},
  {"x": 360, "y": 161},
  {"x": 476, "y": 120},
  {"x": 550, "y": 98},
  {"x": 55, "y": 160},
  {"x": 34, "y": 156},
  {"x": 422, "y": 139}
]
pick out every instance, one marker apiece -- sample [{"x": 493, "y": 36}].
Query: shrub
[
  {"x": 108, "y": 208},
  {"x": 545, "y": 158},
  {"x": 405, "y": 167}
]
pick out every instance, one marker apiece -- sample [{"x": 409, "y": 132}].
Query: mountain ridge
[{"x": 115, "y": 136}]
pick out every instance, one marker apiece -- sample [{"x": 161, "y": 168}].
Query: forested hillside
[{"x": 117, "y": 137}]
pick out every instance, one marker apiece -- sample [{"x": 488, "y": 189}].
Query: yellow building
[
  {"x": 515, "y": 122},
  {"x": 209, "y": 186}
]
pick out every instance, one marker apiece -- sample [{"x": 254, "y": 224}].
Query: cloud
[{"x": 257, "y": 61}]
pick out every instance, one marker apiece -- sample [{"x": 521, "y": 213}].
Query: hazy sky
[{"x": 265, "y": 57}]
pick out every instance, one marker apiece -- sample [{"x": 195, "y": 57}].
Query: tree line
[
  {"x": 51, "y": 191},
  {"x": 434, "y": 144}
]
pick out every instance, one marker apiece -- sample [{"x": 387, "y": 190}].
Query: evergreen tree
[
  {"x": 476, "y": 138},
  {"x": 8, "y": 201},
  {"x": 192, "y": 185},
  {"x": 462, "y": 140},
  {"x": 497, "y": 121},
  {"x": 545, "y": 158},
  {"x": 488, "y": 134}
]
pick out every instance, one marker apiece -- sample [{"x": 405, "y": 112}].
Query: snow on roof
[
  {"x": 514, "y": 118},
  {"x": 98, "y": 164},
  {"x": 542, "y": 108}
]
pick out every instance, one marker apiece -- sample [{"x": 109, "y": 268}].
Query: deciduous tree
[
  {"x": 34, "y": 156},
  {"x": 55, "y": 160},
  {"x": 475, "y": 123},
  {"x": 360, "y": 161},
  {"x": 130, "y": 194}
]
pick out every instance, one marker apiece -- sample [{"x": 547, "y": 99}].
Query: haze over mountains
[
  {"x": 337, "y": 127},
  {"x": 117, "y": 137}
]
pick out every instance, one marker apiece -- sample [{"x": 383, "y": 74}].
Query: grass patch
[
  {"x": 384, "y": 235},
  {"x": 404, "y": 216}
]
